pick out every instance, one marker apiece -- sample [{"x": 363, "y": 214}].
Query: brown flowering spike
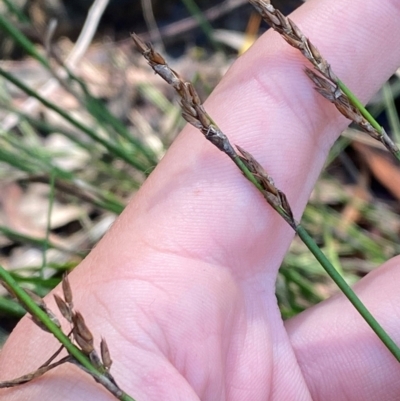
[
  {"x": 42, "y": 326},
  {"x": 90, "y": 362},
  {"x": 86, "y": 347},
  {"x": 157, "y": 62},
  {"x": 63, "y": 308},
  {"x": 325, "y": 87},
  {"x": 276, "y": 198},
  {"x": 79, "y": 323},
  {"x": 94, "y": 358},
  {"x": 192, "y": 109},
  {"x": 82, "y": 334},
  {"x": 35, "y": 298},
  {"x": 142, "y": 47},
  {"x": 105, "y": 354},
  {"x": 293, "y": 35},
  {"x": 255, "y": 167},
  {"x": 334, "y": 94},
  {"x": 66, "y": 287}
]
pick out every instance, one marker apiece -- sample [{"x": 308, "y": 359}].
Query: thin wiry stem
[
  {"x": 34, "y": 375},
  {"x": 194, "y": 112},
  {"x": 113, "y": 149},
  {"x": 326, "y": 82}
]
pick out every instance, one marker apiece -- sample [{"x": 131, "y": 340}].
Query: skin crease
[{"x": 182, "y": 286}]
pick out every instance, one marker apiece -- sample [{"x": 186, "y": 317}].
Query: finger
[{"x": 340, "y": 356}]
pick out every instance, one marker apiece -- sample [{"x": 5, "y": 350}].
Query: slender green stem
[
  {"x": 7, "y": 26},
  {"x": 391, "y": 111},
  {"x": 35, "y": 310},
  {"x": 304, "y": 285},
  {"x": 247, "y": 173},
  {"x": 106, "y": 118},
  {"x": 356, "y": 103},
  {"x": 36, "y": 241},
  {"x": 48, "y": 224},
  {"x": 11, "y": 308},
  {"x": 207, "y": 28},
  {"x": 359, "y": 105},
  {"x": 92, "y": 105},
  {"x": 92, "y": 134},
  {"x": 16, "y": 10},
  {"x": 348, "y": 292},
  {"x": 103, "y": 115},
  {"x": 39, "y": 165}
]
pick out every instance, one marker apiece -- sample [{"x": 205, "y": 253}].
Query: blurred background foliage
[{"x": 83, "y": 121}]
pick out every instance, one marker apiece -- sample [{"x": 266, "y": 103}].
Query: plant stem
[
  {"x": 88, "y": 131},
  {"x": 348, "y": 292},
  {"x": 356, "y": 103},
  {"x": 48, "y": 222},
  {"x": 36, "y": 241},
  {"x": 10, "y": 28},
  {"x": 207, "y": 28},
  {"x": 15, "y": 9},
  {"x": 11, "y": 308},
  {"x": 391, "y": 111},
  {"x": 95, "y": 107}
]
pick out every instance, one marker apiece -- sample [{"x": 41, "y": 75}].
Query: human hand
[{"x": 182, "y": 286}]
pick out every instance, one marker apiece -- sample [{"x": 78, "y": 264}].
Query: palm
[{"x": 182, "y": 286}]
